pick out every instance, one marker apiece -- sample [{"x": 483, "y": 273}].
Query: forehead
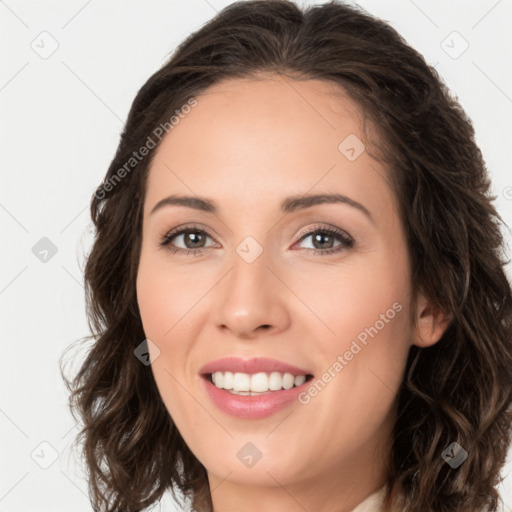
[
  {"x": 250, "y": 137},
  {"x": 278, "y": 91},
  {"x": 273, "y": 102}
]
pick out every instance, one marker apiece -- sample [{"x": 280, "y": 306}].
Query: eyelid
[{"x": 322, "y": 227}]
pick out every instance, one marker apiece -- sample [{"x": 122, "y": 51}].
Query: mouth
[
  {"x": 256, "y": 384},
  {"x": 254, "y": 388}
]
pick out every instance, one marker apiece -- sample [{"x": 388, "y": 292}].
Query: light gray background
[{"x": 61, "y": 116}]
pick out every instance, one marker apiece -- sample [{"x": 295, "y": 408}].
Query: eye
[
  {"x": 192, "y": 235},
  {"x": 194, "y": 238},
  {"x": 322, "y": 240}
]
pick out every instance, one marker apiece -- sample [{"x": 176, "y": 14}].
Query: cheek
[
  {"x": 355, "y": 301},
  {"x": 366, "y": 307},
  {"x": 165, "y": 303},
  {"x": 161, "y": 295}
]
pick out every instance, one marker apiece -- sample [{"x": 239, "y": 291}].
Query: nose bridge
[
  {"x": 251, "y": 295},
  {"x": 249, "y": 261},
  {"x": 248, "y": 282}
]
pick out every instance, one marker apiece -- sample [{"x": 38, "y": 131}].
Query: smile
[{"x": 245, "y": 384}]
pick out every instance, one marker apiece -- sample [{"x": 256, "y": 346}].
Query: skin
[{"x": 247, "y": 145}]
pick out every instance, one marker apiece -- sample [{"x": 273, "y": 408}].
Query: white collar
[{"x": 372, "y": 503}]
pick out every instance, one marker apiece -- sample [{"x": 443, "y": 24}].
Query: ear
[{"x": 431, "y": 322}]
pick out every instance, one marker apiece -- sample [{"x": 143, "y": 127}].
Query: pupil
[
  {"x": 320, "y": 236},
  {"x": 193, "y": 234}
]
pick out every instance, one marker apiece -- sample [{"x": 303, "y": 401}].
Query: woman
[{"x": 252, "y": 371}]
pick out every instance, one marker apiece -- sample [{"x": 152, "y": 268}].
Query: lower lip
[{"x": 255, "y": 406}]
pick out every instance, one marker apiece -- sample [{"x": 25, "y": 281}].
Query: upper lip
[{"x": 255, "y": 365}]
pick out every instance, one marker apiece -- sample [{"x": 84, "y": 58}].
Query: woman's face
[{"x": 260, "y": 278}]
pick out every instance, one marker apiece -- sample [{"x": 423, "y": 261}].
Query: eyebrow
[{"x": 288, "y": 205}]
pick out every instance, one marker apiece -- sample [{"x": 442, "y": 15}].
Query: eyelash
[{"x": 346, "y": 240}]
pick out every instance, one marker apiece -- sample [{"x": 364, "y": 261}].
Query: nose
[{"x": 252, "y": 300}]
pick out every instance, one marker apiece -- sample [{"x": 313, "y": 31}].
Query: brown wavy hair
[{"x": 458, "y": 390}]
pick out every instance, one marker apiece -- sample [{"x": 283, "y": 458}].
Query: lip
[
  {"x": 252, "y": 407},
  {"x": 255, "y": 406},
  {"x": 255, "y": 365}
]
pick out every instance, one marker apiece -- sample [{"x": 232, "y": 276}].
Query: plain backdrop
[{"x": 69, "y": 73}]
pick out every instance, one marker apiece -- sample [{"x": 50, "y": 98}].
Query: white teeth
[
  {"x": 259, "y": 382},
  {"x": 245, "y": 384},
  {"x": 241, "y": 382},
  {"x": 218, "y": 379},
  {"x": 288, "y": 381},
  {"x": 275, "y": 381},
  {"x": 300, "y": 379},
  {"x": 228, "y": 380}
]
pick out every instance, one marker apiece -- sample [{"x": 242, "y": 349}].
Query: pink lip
[
  {"x": 256, "y": 406},
  {"x": 252, "y": 407},
  {"x": 256, "y": 365}
]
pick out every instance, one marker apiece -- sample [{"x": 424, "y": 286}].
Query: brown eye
[
  {"x": 192, "y": 237},
  {"x": 323, "y": 239}
]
